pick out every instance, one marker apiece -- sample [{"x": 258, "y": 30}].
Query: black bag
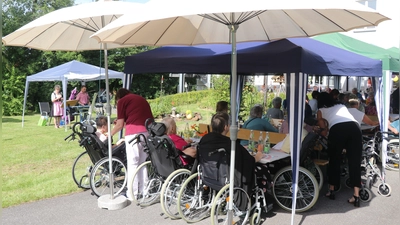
[{"x": 156, "y": 129}]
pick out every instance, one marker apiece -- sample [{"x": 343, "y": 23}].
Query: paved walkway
[{"x": 81, "y": 208}]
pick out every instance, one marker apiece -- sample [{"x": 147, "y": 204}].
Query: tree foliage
[{"x": 20, "y": 62}]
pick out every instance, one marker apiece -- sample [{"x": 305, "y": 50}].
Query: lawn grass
[{"x": 37, "y": 162}]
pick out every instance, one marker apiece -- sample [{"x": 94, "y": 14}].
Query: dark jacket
[{"x": 244, "y": 162}]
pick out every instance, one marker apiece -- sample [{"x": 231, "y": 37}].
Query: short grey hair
[
  {"x": 256, "y": 111},
  {"x": 276, "y": 102},
  {"x": 354, "y": 103},
  {"x": 169, "y": 124}
]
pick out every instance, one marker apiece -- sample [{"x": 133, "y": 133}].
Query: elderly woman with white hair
[
  {"x": 180, "y": 143},
  {"x": 275, "y": 112}
]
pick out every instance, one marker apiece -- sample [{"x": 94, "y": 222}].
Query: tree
[{"x": 19, "y": 62}]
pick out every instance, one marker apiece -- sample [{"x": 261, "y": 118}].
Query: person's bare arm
[
  {"x": 368, "y": 121},
  {"x": 191, "y": 151},
  {"x": 394, "y": 130},
  {"x": 321, "y": 124},
  {"x": 118, "y": 126}
]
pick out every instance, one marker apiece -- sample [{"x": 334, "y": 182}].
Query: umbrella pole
[
  {"x": 110, "y": 201},
  {"x": 233, "y": 128}
]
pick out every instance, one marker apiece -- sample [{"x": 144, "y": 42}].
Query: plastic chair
[{"x": 45, "y": 110}]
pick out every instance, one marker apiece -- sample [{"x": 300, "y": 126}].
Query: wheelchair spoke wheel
[
  {"x": 145, "y": 185},
  {"x": 384, "y": 189},
  {"x": 240, "y": 209},
  {"x": 308, "y": 190},
  {"x": 393, "y": 156},
  {"x": 170, "y": 191},
  {"x": 100, "y": 176},
  {"x": 365, "y": 194},
  {"x": 194, "y": 200},
  {"x": 316, "y": 171},
  {"x": 81, "y": 170}
]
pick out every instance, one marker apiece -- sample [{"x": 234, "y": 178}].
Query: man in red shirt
[{"x": 132, "y": 111}]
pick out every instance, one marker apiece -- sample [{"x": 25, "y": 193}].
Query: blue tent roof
[{"x": 283, "y": 56}]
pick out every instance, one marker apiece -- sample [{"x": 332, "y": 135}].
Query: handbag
[{"x": 43, "y": 121}]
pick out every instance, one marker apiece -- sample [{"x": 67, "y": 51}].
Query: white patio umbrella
[
  {"x": 191, "y": 22},
  {"x": 69, "y": 29}
]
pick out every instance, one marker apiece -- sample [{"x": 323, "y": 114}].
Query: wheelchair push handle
[{"x": 216, "y": 151}]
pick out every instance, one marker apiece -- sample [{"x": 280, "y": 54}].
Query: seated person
[
  {"x": 256, "y": 123},
  {"x": 245, "y": 164},
  {"x": 394, "y": 127},
  {"x": 102, "y": 131},
  {"x": 222, "y": 106},
  {"x": 180, "y": 143},
  {"x": 275, "y": 112},
  {"x": 358, "y": 115}
]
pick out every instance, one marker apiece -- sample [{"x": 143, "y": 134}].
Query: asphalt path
[{"x": 81, "y": 208}]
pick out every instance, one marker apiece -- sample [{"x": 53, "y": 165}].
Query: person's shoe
[
  {"x": 354, "y": 200},
  {"x": 330, "y": 194}
]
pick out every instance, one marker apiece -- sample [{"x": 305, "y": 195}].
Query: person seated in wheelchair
[
  {"x": 102, "y": 131},
  {"x": 246, "y": 166},
  {"x": 180, "y": 143}
]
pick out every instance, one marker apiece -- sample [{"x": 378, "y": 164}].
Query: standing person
[
  {"x": 344, "y": 133},
  {"x": 314, "y": 103},
  {"x": 132, "y": 111},
  {"x": 56, "y": 98},
  {"x": 83, "y": 97},
  {"x": 394, "y": 101}
]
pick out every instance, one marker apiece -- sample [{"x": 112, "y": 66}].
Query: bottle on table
[
  {"x": 186, "y": 132},
  {"x": 267, "y": 144},
  {"x": 251, "y": 145},
  {"x": 260, "y": 145}
]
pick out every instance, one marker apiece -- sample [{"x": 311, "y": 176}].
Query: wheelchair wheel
[
  {"x": 384, "y": 189},
  {"x": 365, "y": 194},
  {"x": 148, "y": 184},
  {"x": 219, "y": 209},
  {"x": 308, "y": 190},
  {"x": 100, "y": 176},
  {"x": 255, "y": 219},
  {"x": 317, "y": 172},
  {"x": 170, "y": 191},
  {"x": 81, "y": 170},
  {"x": 194, "y": 200},
  {"x": 393, "y": 156}
]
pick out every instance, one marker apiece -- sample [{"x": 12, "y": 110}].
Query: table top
[
  {"x": 273, "y": 155},
  {"x": 393, "y": 117},
  {"x": 366, "y": 127}
]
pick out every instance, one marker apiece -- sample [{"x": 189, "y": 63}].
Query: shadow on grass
[{"x": 11, "y": 120}]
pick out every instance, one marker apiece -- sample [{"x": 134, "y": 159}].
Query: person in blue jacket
[{"x": 256, "y": 123}]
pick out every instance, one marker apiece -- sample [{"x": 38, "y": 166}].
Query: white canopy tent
[{"x": 73, "y": 70}]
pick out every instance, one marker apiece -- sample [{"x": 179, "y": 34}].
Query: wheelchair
[
  {"x": 206, "y": 193},
  {"x": 91, "y": 168},
  {"x": 310, "y": 177},
  {"x": 163, "y": 166}
]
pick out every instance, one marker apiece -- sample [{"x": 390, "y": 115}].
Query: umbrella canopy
[
  {"x": 69, "y": 29},
  {"x": 390, "y": 59},
  {"x": 191, "y": 22},
  {"x": 287, "y": 55},
  {"x": 200, "y": 22}
]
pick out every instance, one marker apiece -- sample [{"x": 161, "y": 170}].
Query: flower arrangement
[{"x": 196, "y": 130}]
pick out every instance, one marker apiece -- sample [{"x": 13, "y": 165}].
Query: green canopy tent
[
  {"x": 390, "y": 63},
  {"x": 389, "y": 57}
]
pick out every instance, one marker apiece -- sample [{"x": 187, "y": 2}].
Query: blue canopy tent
[{"x": 296, "y": 57}]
